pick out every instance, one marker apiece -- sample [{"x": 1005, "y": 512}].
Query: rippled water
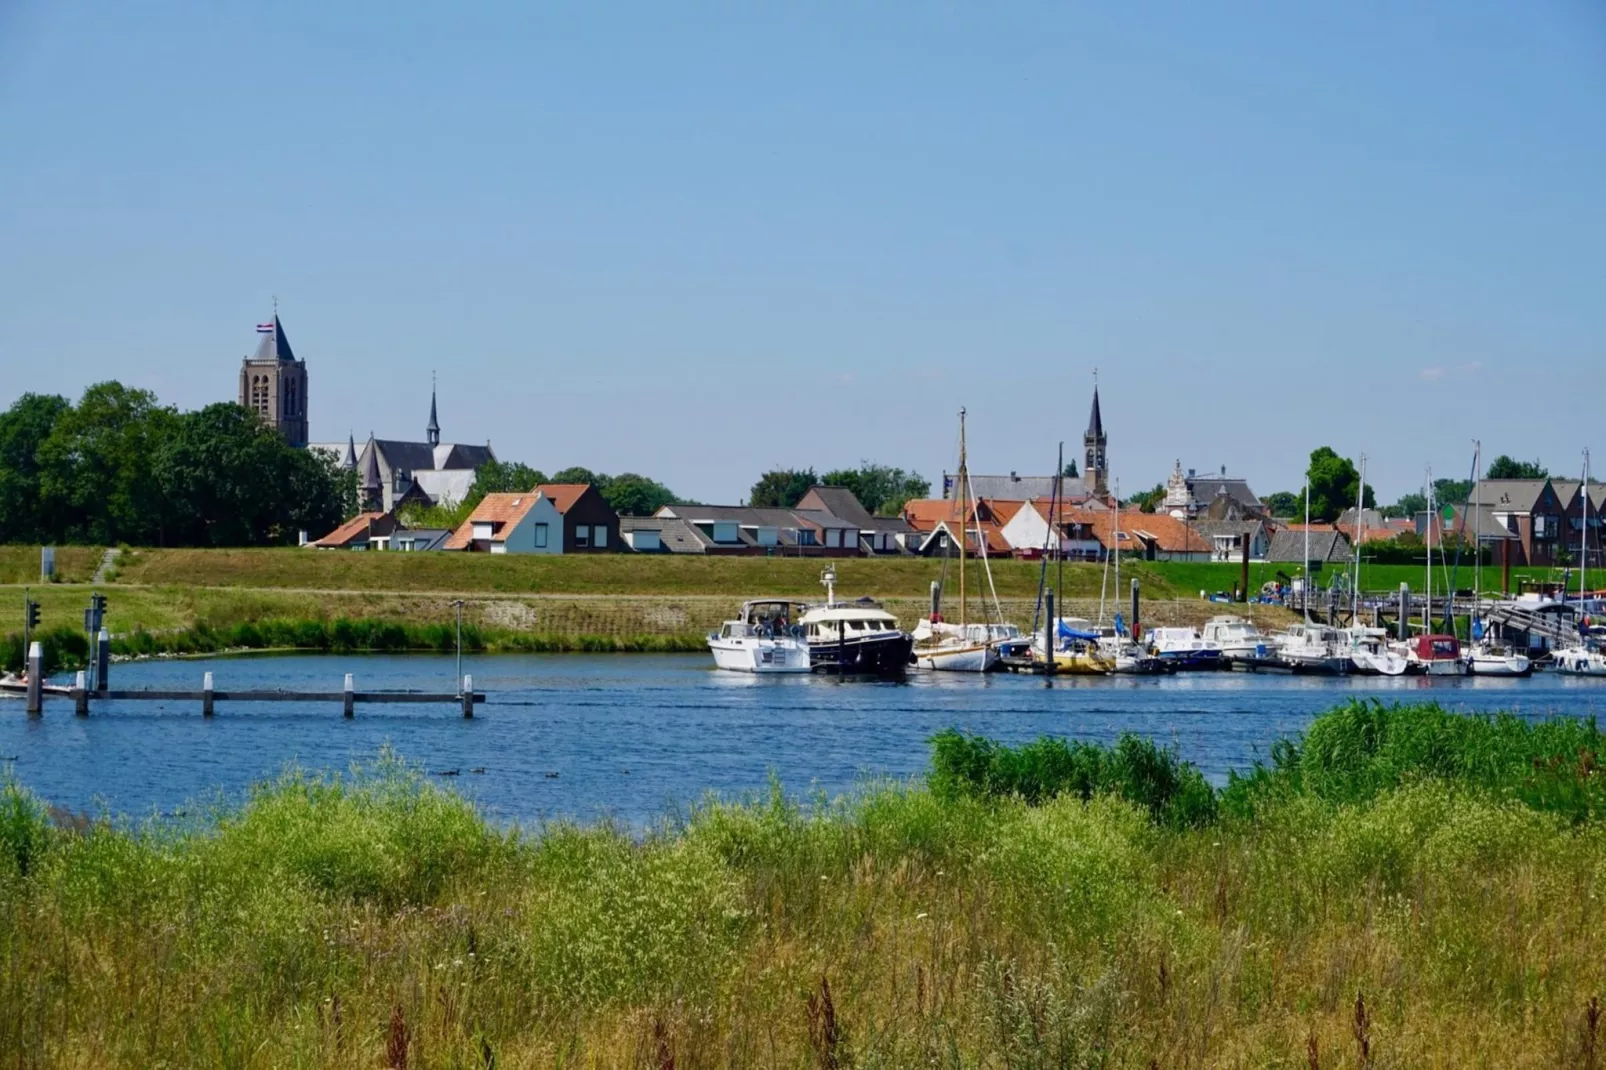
[{"x": 636, "y": 736}]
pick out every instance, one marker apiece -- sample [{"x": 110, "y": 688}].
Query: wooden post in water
[
  {"x": 103, "y": 658},
  {"x": 1050, "y": 633},
  {"x": 936, "y": 599},
  {"x": 206, "y": 695},
  {"x": 80, "y": 695},
  {"x": 1404, "y": 629},
  {"x": 36, "y": 677},
  {"x": 468, "y": 697},
  {"x": 350, "y": 696}
]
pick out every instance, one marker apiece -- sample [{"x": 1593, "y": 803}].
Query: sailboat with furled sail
[{"x": 963, "y": 646}]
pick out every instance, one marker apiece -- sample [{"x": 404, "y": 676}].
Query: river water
[{"x": 636, "y": 737}]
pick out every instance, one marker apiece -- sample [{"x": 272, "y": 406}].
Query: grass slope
[{"x": 1398, "y": 902}]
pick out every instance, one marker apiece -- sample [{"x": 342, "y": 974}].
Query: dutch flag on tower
[{"x": 265, "y": 328}]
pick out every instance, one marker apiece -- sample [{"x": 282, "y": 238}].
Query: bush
[{"x": 1135, "y": 769}]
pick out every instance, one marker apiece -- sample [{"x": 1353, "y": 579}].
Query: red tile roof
[
  {"x": 502, "y": 511},
  {"x": 357, "y": 528},
  {"x": 563, "y": 495},
  {"x": 1166, "y": 532}
]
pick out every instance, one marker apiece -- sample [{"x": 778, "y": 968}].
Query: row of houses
[{"x": 831, "y": 522}]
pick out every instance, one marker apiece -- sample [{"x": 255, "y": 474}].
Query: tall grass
[{"x": 1385, "y": 900}]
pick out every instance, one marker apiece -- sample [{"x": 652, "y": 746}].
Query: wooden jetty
[{"x": 207, "y": 696}]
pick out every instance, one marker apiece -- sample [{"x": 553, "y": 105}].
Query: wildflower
[{"x": 920, "y": 916}]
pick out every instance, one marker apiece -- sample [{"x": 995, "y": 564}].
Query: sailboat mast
[
  {"x": 1304, "y": 586},
  {"x": 1427, "y": 609},
  {"x": 1477, "y": 540},
  {"x": 964, "y": 519},
  {"x": 1360, "y": 521},
  {"x": 1583, "y": 535}
]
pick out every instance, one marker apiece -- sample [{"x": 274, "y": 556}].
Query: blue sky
[{"x": 698, "y": 240}]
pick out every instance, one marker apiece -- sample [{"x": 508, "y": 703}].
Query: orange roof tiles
[
  {"x": 502, "y": 511},
  {"x": 563, "y": 495},
  {"x": 347, "y": 533}
]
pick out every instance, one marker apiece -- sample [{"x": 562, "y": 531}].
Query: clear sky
[{"x": 697, "y": 240}]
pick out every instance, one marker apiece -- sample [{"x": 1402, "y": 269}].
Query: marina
[{"x": 640, "y": 737}]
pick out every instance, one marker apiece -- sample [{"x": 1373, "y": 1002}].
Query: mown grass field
[
  {"x": 74, "y": 564},
  {"x": 1404, "y": 888}
]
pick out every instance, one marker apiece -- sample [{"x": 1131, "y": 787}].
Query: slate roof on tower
[
  {"x": 1095, "y": 421},
  {"x": 274, "y": 344}
]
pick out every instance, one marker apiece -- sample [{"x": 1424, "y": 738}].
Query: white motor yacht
[
  {"x": 1309, "y": 647},
  {"x": 1369, "y": 652},
  {"x": 1242, "y": 645},
  {"x": 1184, "y": 648},
  {"x": 766, "y": 637}
]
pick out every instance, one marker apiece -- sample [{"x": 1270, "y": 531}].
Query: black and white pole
[
  {"x": 468, "y": 696},
  {"x": 349, "y": 697},
  {"x": 80, "y": 694},
  {"x": 206, "y": 695}
]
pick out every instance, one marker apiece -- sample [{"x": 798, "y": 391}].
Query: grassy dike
[
  {"x": 202, "y": 601},
  {"x": 1402, "y": 887}
]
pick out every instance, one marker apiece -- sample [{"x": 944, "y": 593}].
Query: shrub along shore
[{"x": 1401, "y": 887}]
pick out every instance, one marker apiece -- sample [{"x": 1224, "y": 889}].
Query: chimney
[
  {"x": 1223, "y": 471},
  {"x": 1013, "y": 477}
]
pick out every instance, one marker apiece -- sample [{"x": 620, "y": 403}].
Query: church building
[
  {"x": 273, "y": 383},
  {"x": 393, "y": 472}
]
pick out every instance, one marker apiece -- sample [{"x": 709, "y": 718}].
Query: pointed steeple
[
  {"x": 1095, "y": 421},
  {"x": 1096, "y": 464},
  {"x": 275, "y": 345},
  {"x": 372, "y": 490},
  {"x": 349, "y": 461},
  {"x": 433, "y": 432}
]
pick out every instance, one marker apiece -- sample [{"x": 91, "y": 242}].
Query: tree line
[
  {"x": 120, "y": 467},
  {"x": 881, "y": 489}
]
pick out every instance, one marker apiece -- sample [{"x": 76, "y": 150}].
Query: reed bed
[{"x": 1390, "y": 891}]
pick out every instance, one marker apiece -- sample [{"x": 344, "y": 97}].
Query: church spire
[
  {"x": 372, "y": 490},
  {"x": 433, "y": 431},
  {"x": 1095, "y": 470},
  {"x": 349, "y": 461}
]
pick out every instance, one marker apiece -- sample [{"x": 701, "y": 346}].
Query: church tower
[
  {"x": 432, "y": 433},
  {"x": 273, "y": 384},
  {"x": 1096, "y": 469}
]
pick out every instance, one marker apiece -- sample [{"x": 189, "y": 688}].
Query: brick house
[
  {"x": 1530, "y": 509},
  {"x": 589, "y": 524}
]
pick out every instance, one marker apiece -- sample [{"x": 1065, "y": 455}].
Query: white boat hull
[
  {"x": 1373, "y": 664},
  {"x": 1580, "y": 663},
  {"x": 1499, "y": 665},
  {"x": 970, "y": 657},
  {"x": 1441, "y": 667},
  {"x": 756, "y": 655}
]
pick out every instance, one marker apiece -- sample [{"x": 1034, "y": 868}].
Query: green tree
[
  {"x": 1333, "y": 483},
  {"x": 1149, "y": 499},
  {"x": 782, "y": 488},
  {"x": 501, "y": 477},
  {"x": 882, "y": 490},
  {"x": 630, "y": 494},
  {"x": 1284, "y": 503},
  {"x": 1408, "y": 506},
  {"x": 578, "y": 475},
  {"x": 24, "y": 428},
  {"x": 1503, "y": 467},
  {"x": 1452, "y": 491},
  {"x": 1070, "y": 469},
  {"x": 97, "y": 466}
]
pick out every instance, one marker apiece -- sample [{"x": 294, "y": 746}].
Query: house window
[
  {"x": 540, "y": 536},
  {"x": 833, "y": 537},
  {"x": 599, "y": 536},
  {"x": 725, "y": 532},
  {"x": 582, "y": 536},
  {"x": 805, "y": 537}
]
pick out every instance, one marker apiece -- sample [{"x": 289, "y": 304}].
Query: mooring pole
[
  {"x": 468, "y": 696},
  {"x": 206, "y": 695},
  {"x": 1243, "y": 583},
  {"x": 103, "y": 663},
  {"x": 936, "y": 599},
  {"x": 349, "y": 698},
  {"x": 1404, "y": 630},
  {"x": 459, "y": 605},
  {"x": 36, "y": 677},
  {"x": 80, "y": 695},
  {"x": 1050, "y": 632},
  {"x": 1136, "y": 600}
]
